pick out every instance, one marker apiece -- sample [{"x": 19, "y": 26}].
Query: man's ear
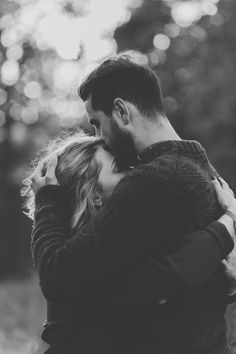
[{"x": 120, "y": 111}]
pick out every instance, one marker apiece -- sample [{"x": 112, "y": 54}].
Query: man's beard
[{"x": 123, "y": 147}]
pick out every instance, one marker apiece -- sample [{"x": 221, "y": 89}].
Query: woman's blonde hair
[{"x": 77, "y": 173}]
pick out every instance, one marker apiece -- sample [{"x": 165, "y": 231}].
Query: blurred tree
[
  {"x": 28, "y": 108},
  {"x": 9, "y": 200},
  {"x": 46, "y": 47},
  {"x": 189, "y": 44},
  {"x": 196, "y": 65}
]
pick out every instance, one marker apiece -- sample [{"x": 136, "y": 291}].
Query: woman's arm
[
  {"x": 191, "y": 264},
  {"x": 68, "y": 265}
]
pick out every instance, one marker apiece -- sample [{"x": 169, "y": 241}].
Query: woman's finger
[
  {"x": 39, "y": 171},
  {"x": 223, "y": 197},
  {"x": 217, "y": 185},
  {"x": 50, "y": 176},
  {"x": 225, "y": 185},
  {"x": 51, "y": 167}
]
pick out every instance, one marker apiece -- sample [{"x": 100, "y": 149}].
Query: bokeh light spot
[
  {"x": 66, "y": 75},
  {"x": 185, "y": 13},
  {"x": 15, "y": 111},
  {"x": 29, "y": 115},
  {"x": 182, "y": 74},
  {"x": 15, "y": 52},
  {"x": 6, "y": 21},
  {"x": 18, "y": 133},
  {"x": 199, "y": 33},
  {"x": 172, "y": 30},
  {"x": 59, "y": 106},
  {"x": 32, "y": 90},
  {"x": 170, "y": 104},
  {"x": 8, "y": 37},
  {"x": 10, "y": 72},
  {"x": 209, "y": 8},
  {"x": 161, "y": 41},
  {"x": 153, "y": 58},
  {"x": 100, "y": 48},
  {"x": 217, "y": 20}
]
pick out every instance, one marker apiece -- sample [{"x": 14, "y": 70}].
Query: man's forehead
[{"x": 92, "y": 114}]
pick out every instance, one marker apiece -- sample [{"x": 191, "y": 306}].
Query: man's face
[{"x": 117, "y": 138}]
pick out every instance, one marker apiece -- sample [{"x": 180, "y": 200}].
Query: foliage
[
  {"x": 197, "y": 72},
  {"x": 23, "y": 311},
  {"x": 47, "y": 47}
]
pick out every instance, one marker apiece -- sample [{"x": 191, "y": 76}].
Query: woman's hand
[
  {"x": 230, "y": 270},
  {"x": 225, "y": 195},
  {"x": 44, "y": 174},
  {"x": 226, "y": 198}
]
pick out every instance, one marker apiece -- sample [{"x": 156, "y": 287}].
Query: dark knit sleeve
[
  {"x": 113, "y": 243},
  {"x": 191, "y": 264},
  {"x": 195, "y": 258}
]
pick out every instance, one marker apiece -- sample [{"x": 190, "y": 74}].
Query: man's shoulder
[
  {"x": 146, "y": 178},
  {"x": 174, "y": 164},
  {"x": 193, "y": 165},
  {"x": 152, "y": 169},
  {"x": 167, "y": 168}
]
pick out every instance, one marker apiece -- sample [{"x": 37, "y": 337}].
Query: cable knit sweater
[{"x": 117, "y": 285}]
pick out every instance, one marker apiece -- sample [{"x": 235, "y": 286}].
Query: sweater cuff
[
  {"x": 222, "y": 236},
  {"x": 50, "y": 195}
]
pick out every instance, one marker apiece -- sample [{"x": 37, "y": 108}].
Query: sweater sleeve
[
  {"x": 114, "y": 243},
  {"x": 191, "y": 264}
]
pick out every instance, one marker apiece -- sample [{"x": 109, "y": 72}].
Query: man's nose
[{"x": 98, "y": 132}]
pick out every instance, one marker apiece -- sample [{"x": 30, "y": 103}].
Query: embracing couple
[{"x": 134, "y": 251}]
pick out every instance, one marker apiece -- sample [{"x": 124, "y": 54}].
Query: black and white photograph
[{"x": 117, "y": 177}]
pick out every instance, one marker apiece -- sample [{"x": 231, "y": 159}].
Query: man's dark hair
[{"x": 121, "y": 77}]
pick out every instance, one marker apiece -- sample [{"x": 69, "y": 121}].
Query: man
[{"x": 135, "y": 255}]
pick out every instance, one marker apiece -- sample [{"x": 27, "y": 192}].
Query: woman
[
  {"x": 86, "y": 171},
  {"x": 88, "y": 174}
]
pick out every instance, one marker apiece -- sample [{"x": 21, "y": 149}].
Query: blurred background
[{"x": 46, "y": 48}]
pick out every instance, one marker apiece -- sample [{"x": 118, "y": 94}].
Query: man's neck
[{"x": 155, "y": 133}]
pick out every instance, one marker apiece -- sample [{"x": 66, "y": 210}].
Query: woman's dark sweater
[{"x": 117, "y": 285}]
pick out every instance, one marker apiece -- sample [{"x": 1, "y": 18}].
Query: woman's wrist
[
  {"x": 231, "y": 212},
  {"x": 233, "y": 217},
  {"x": 228, "y": 222}
]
